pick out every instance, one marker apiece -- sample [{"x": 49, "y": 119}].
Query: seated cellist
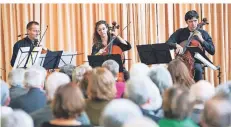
[
  {"x": 102, "y": 37},
  {"x": 182, "y": 34}
]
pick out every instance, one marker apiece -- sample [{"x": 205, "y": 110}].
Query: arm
[
  {"x": 124, "y": 45},
  {"x": 94, "y": 50},
  {"x": 208, "y": 43},
  {"x": 172, "y": 41}
]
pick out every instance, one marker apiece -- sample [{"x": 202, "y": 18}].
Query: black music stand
[
  {"x": 52, "y": 59},
  {"x": 154, "y": 53},
  {"x": 97, "y": 60}
]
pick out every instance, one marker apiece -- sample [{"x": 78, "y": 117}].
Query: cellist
[
  {"x": 103, "y": 36},
  {"x": 182, "y": 34}
]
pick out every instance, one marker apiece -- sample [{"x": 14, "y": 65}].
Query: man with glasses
[{"x": 29, "y": 41}]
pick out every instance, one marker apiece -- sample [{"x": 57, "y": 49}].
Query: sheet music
[
  {"x": 206, "y": 62},
  {"x": 68, "y": 57}
]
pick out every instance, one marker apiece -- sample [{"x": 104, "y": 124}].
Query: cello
[
  {"x": 186, "y": 56},
  {"x": 114, "y": 49}
]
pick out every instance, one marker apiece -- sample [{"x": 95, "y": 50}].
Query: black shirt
[
  {"x": 117, "y": 42},
  {"x": 25, "y": 42},
  {"x": 183, "y": 34}
]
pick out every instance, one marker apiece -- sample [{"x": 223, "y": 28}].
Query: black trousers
[{"x": 198, "y": 75}]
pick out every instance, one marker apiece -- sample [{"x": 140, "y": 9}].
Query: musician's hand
[
  {"x": 179, "y": 49},
  {"x": 198, "y": 34},
  {"x": 101, "y": 51},
  {"x": 41, "y": 45}
]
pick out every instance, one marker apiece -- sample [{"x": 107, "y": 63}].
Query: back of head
[
  {"x": 55, "y": 80},
  {"x": 139, "y": 69},
  {"x": 101, "y": 84},
  {"x": 180, "y": 73},
  {"x": 176, "y": 103},
  {"x": 140, "y": 89},
  {"x": 16, "y": 77},
  {"x": 140, "y": 122},
  {"x": 34, "y": 78},
  {"x": 225, "y": 87},
  {"x": 41, "y": 69},
  {"x": 161, "y": 77},
  {"x": 201, "y": 91},
  {"x": 4, "y": 93},
  {"x": 67, "y": 69},
  {"x": 112, "y": 66},
  {"x": 17, "y": 118},
  {"x": 217, "y": 112},
  {"x": 119, "y": 111},
  {"x": 68, "y": 102},
  {"x": 79, "y": 72}
]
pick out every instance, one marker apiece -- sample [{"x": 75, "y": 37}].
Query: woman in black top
[{"x": 102, "y": 38}]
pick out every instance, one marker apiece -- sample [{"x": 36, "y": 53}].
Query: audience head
[
  {"x": 79, "y": 73},
  {"x": 101, "y": 84},
  {"x": 68, "y": 102},
  {"x": 176, "y": 103},
  {"x": 161, "y": 77},
  {"x": 141, "y": 90},
  {"x": 201, "y": 91},
  {"x": 139, "y": 69},
  {"x": 67, "y": 69},
  {"x": 180, "y": 73},
  {"x": 225, "y": 87},
  {"x": 53, "y": 81},
  {"x": 217, "y": 111},
  {"x": 119, "y": 111},
  {"x": 112, "y": 66},
  {"x": 35, "y": 77},
  {"x": 16, "y": 77},
  {"x": 5, "y": 94},
  {"x": 17, "y": 118},
  {"x": 140, "y": 122}
]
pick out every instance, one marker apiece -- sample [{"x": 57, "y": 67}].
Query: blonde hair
[{"x": 101, "y": 84}]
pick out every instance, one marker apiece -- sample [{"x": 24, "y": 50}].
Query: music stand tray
[
  {"x": 97, "y": 60},
  {"x": 154, "y": 53},
  {"x": 23, "y": 54},
  {"x": 52, "y": 59}
]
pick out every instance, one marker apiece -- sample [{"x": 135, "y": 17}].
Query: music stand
[
  {"x": 27, "y": 58},
  {"x": 154, "y": 53},
  {"x": 193, "y": 50},
  {"x": 97, "y": 60},
  {"x": 52, "y": 59}
]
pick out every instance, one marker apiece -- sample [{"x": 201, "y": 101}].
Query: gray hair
[
  {"x": 201, "y": 91},
  {"x": 139, "y": 69},
  {"x": 225, "y": 87},
  {"x": 161, "y": 77},
  {"x": 4, "y": 92},
  {"x": 115, "y": 115},
  {"x": 34, "y": 77},
  {"x": 140, "y": 89},
  {"x": 67, "y": 69},
  {"x": 16, "y": 77},
  {"x": 18, "y": 118},
  {"x": 112, "y": 66},
  {"x": 78, "y": 73},
  {"x": 217, "y": 112},
  {"x": 141, "y": 122},
  {"x": 55, "y": 80}
]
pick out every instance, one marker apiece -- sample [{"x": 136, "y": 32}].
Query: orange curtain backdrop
[{"x": 71, "y": 27}]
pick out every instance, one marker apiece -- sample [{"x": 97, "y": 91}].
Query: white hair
[
  {"x": 225, "y": 87},
  {"x": 34, "y": 77},
  {"x": 78, "y": 72},
  {"x": 201, "y": 91},
  {"x": 140, "y": 89},
  {"x": 16, "y": 77},
  {"x": 119, "y": 111},
  {"x": 112, "y": 66},
  {"x": 41, "y": 69},
  {"x": 18, "y": 118},
  {"x": 139, "y": 69},
  {"x": 161, "y": 77},
  {"x": 5, "y": 94},
  {"x": 55, "y": 80},
  {"x": 140, "y": 122}
]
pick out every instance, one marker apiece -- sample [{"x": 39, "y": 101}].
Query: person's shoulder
[{"x": 20, "y": 41}]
